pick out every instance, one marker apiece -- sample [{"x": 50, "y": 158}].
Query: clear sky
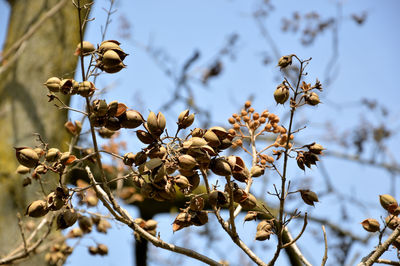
[{"x": 366, "y": 67}]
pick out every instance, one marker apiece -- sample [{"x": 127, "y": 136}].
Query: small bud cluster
[{"x": 58, "y": 254}]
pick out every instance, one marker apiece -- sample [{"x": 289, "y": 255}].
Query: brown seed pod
[
  {"x": 114, "y": 68},
  {"x": 281, "y": 94},
  {"x": 263, "y": 235},
  {"x": 111, "y": 58},
  {"x": 370, "y": 225},
  {"x": 285, "y": 61},
  {"x": 27, "y": 156},
  {"x": 105, "y": 133},
  {"x": 100, "y": 107},
  {"x": 113, "y": 123},
  {"x": 185, "y": 120},
  {"x": 308, "y": 196},
  {"x": 312, "y": 99},
  {"x": 221, "y": 167},
  {"x": 144, "y": 137},
  {"x": 196, "y": 204},
  {"x": 392, "y": 221},
  {"x": 53, "y": 84},
  {"x": 37, "y": 209},
  {"x": 131, "y": 119},
  {"x": 53, "y": 154},
  {"x": 85, "y": 223},
  {"x": 387, "y": 200},
  {"x": 150, "y": 225},
  {"x": 88, "y": 47},
  {"x": 212, "y": 138},
  {"x": 217, "y": 198},
  {"x": 249, "y": 203},
  {"x": 129, "y": 158},
  {"x": 54, "y": 201},
  {"x": 257, "y": 171},
  {"x": 86, "y": 88},
  {"x": 107, "y": 45},
  {"x": 22, "y": 170},
  {"x": 156, "y": 123},
  {"x": 67, "y": 218},
  {"x": 102, "y": 226},
  {"x": 187, "y": 162}
]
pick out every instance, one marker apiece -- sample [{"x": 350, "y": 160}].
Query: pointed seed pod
[
  {"x": 308, "y": 196},
  {"x": 370, "y": 225},
  {"x": 285, "y": 61},
  {"x": 220, "y": 167},
  {"x": 387, "y": 200},
  {"x": 88, "y": 47},
  {"x": 27, "y": 157},
  {"x": 187, "y": 162},
  {"x": 53, "y": 154},
  {"x": 22, "y": 170},
  {"x": 37, "y": 209},
  {"x": 131, "y": 119},
  {"x": 53, "y": 84}
]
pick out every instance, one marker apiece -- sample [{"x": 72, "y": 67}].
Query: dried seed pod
[
  {"x": 212, "y": 138},
  {"x": 85, "y": 223},
  {"x": 387, "y": 200},
  {"x": 66, "y": 86},
  {"x": 140, "y": 158},
  {"x": 75, "y": 233},
  {"x": 200, "y": 218},
  {"x": 37, "y": 209},
  {"x": 370, "y": 225},
  {"x": 105, "y": 133},
  {"x": 194, "y": 181},
  {"x": 156, "y": 123},
  {"x": 88, "y": 47},
  {"x": 144, "y": 137},
  {"x": 196, "y": 204},
  {"x": 194, "y": 142},
  {"x": 53, "y": 154},
  {"x": 111, "y": 58},
  {"x": 257, "y": 171},
  {"x": 64, "y": 157},
  {"x": 66, "y": 218},
  {"x": 197, "y": 132},
  {"x": 220, "y": 167},
  {"x": 129, "y": 158},
  {"x": 187, "y": 162},
  {"x": 27, "y": 156},
  {"x": 308, "y": 196},
  {"x": 54, "y": 201},
  {"x": 113, "y": 123},
  {"x": 316, "y": 148},
  {"x": 281, "y": 94},
  {"x": 263, "y": 235},
  {"x": 181, "y": 221},
  {"x": 217, "y": 198},
  {"x": 22, "y": 170},
  {"x": 93, "y": 250},
  {"x": 112, "y": 108},
  {"x": 185, "y": 120},
  {"x": 150, "y": 225},
  {"x": 392, "y": 221},
  {"x": 107, "y": 45},
  {"x": 285, "y": 61},
  {"x": 312, "y": 99},
  {"x": 102, "y": 226},
  {"x": 157, "y": 152},
  {"x": 249, "y": 203},
  {"x": 114, "y": 68},
  {"x": 131, "y": 119},
  {"x": 100, "y": 107},
  {"x": 53, "y": 84},
  {"x": 250, "y": 216},
  {"x": 86, "y": 88}
]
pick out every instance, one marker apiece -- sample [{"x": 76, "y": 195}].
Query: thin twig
[{"x": 325, "y": 258}]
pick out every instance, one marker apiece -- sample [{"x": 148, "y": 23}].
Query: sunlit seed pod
[
  {"x": 370, "y": 225},
  {"x": 86, "y": 88},
  {"x": 22, "y": 170},
  {"x": 85, "y": 223},
  {"x": 221, "y": 167},
  {"x": 129, "y": 158},
  {"x": 249, "y": 203},
  {"x": 243, "y": 112},
  {"x": 54, "y": 202},
  {"x": 105, "y": 133},
  {"x": 247, "y": 104},
  {"x": 131, "y": 119},
  {"x": 263, "y": 235},
  {"x": 234, "y": 115},
  {"x": 264, "y": 225},
  {"x": 182, "y": 182},
  {"x": 212, "y": 138},
  {"x": 225, "y": 143},
  {"x": 100, "y": 107},
  {"x": 107, "y": 45},
  {"x": 187, "y": 162},
  {"x": 313, "y": 99},
  {"x": 316, "y": 148},
  {"x": 111, "y": 58},
  {"x": 231, "y": 120},
  {"x": 88, "y": 47},
  {"x": 392, "y": 221},
  {"x": 144, "y": 137},
  {"x": 112, "y": 108},
  {"x": 387, "y": 200},
  {"x": 75, "y": 233},
  {"x": 197, "y": 132},
  {"x": 232, "y": 132},
  {"x": 285, "y": 61},
  {"x": 93, "y": 250},
  {"x": 64, "y": 157},
  {"x": 114, "y": 68},
  {"x": 257, "y": 171},
  {"x": 37, "y": 209},
  {"x": 236, "y": 126},
  {"x": 53, "y": 84},
  {"x": 40, "y": 169},
  {"x": 27, "y": 156},
  {"x": 246, "y": 119},
  {"x": 53, "y": 154},
  {"x": 281, "y": 94}
]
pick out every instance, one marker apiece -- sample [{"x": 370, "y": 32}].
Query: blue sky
[{"x": 367, "y": 68}]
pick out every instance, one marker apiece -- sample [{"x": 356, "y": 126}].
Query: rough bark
[{"x": 23, "y": 103}]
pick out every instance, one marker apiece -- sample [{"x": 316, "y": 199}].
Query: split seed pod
[{"x": 53, "y": 84}]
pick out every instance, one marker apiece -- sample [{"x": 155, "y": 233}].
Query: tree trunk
[{"x": 24, "y": 109}]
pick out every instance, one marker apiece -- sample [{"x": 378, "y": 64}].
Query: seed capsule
[
  {"x": 88, "y": 47},
  {"x": 281, "y": 94},
  {"x": 387, "y": 200},
  {"x": 27, "y": 157},
  {"x": 53, "y": 154},
  {"x": 370, "y": 225},
  {"x": 86, "y": 88},
  {"x": 37, "y": 209},
  {"x": 53, "y": 84},
  {"x": 285, "y": 61},
  {"x": 313, "y": 99},
  {"x": 131, "y": 119}
]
